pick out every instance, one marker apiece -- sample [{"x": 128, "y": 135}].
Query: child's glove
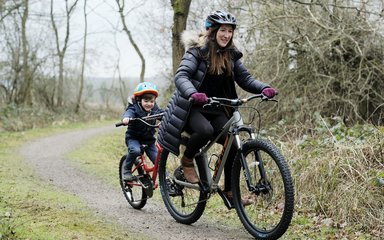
[
  {"x": 269, "y": 92},
  {"x": 199, "y": 98}
]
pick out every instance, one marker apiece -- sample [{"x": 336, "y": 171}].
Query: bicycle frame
[
  {"x": 232, "y": 128},
  {"x": 148, "y": 169}
]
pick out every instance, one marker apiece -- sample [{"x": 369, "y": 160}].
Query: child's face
[{"x": 148, "y": 104}]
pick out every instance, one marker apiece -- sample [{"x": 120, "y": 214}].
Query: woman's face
[{"x": 224, "y": 35}]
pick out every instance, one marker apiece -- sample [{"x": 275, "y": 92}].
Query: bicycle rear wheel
[
  {"x": 186, "y": 205},
  {"x": 270, "y": 214},
  {"x": 133, "y": 191}
]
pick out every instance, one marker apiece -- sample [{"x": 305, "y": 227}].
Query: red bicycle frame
[{"x": 148, "y": 169}]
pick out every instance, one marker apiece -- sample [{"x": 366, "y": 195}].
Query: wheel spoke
[
  {"x": 183, "y": 203},
  {"x": 133, "y": 191}
]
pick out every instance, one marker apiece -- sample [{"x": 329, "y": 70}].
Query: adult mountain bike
[
  {"x": 259, "y": 173},
  {"x": 138, "y": 191}
]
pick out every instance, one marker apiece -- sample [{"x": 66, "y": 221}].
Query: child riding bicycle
[{"x": 143, "y": 103}]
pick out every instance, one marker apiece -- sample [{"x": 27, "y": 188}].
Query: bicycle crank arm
[{"x": 187, "y": 184}]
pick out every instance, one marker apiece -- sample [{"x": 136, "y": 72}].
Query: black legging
[{"x": 204, "y": 126}]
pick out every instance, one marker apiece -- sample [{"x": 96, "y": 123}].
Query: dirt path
[{"x": 46, "y": 155}]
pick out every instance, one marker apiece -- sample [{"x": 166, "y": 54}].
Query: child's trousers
[{"x": 134, "y": 151}]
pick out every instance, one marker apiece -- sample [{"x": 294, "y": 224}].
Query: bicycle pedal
[
  {"x": 146, "y": 183},
  {"x": 227, "y": 201},
  {"x": 179, "y": 174},
  {"x": 128, "y": 181}
]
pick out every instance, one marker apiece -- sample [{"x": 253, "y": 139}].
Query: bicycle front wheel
[
  {"x": 186, "y": 205},
  {"x": 133, "y": 192},
  {"x": 270, "y": 190}
]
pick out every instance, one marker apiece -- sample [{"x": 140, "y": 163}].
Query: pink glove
[
  {"x": 199, "y": 98},
  {"x": 269, "y": 92}
]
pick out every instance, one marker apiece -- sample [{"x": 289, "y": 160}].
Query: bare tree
[
  {"x": 21, "y": 57},
  {"x": 121, "y": 6},
  {"x": 180, "y": 16},
  {"x": 5, "y": 11},
  {"x": 25, "y": 94},
  {"x": 62, "y": 50},
  {"x": 79, "y": 96}
]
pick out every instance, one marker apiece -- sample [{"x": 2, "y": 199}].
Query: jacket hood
[
  {"x": 191, "y": 39},
  {"x": 131, "y": 99}
]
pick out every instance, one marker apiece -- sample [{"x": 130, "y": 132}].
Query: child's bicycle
[
  {"x": 138, "y": 191},
  {"x": 259, "y": 173}
]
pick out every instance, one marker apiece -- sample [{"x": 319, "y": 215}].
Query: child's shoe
[{"x": 127, "y": 176}]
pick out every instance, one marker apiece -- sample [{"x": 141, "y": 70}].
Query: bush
[{"x": 338, "y": 172}]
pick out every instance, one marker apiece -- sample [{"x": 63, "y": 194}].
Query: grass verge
[
  {"x": 32, "y": 209},
  {"x": 322, "y": 176}
]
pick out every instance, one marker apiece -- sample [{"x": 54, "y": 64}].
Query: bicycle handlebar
[
  {"x": 143, "y": 120},
  {"x": 215, "y": 101}
]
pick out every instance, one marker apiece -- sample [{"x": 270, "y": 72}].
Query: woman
[{"x": 209, "y": 68}]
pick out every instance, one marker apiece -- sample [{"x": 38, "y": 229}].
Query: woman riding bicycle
[
  {"x": 209, "y": 68},
  {"x": 143, "y": 103}
]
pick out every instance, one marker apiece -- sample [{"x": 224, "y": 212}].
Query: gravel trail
[{"x": 46, "y": 155}]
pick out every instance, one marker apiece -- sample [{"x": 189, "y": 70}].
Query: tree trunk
[
  {"x": 25, "y": 94},
  {"x": 61, "y": 51},
  {"x": 78, "y": 102},
  {"x": 180, "y": 16}
]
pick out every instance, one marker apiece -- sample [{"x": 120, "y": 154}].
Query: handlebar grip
[{"x": 119, "y": 124}]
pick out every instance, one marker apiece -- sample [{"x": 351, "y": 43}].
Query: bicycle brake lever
[{"x": 212, "y": 103}]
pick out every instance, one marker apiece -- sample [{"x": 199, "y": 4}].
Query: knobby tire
[
  {"x": 139, "y": 197},
  {"x": 187, "y": 205},
  {"x": 270, "y": 214}
]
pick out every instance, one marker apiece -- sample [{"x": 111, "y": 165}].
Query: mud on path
[{"x": 46, "y": 155}]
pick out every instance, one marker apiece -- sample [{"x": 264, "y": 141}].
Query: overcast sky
[
  {"x": 107, "y": 43},
  {"x": 150, "y": 23}
]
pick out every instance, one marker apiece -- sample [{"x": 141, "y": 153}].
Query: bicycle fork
[{"x": 262, "y": 185}]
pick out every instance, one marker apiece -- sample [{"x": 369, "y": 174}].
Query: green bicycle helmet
[
  {"x": 219, "y": 18},
  {"x": 145, "y": 87}
]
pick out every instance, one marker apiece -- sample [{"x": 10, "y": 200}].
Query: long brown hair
[{"x": 220, "y": 58}]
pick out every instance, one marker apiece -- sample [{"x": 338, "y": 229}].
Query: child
[{"x": 143, "y": 103}]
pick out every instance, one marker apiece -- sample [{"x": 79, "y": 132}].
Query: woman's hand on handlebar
[
  {"x": 199, "y": 98},
  {"x": 269, "y": 92}
]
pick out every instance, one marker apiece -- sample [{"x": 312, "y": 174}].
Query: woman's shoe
[
  {"x": 189, "y": 170},
  {"x": 245, "y": 202}
]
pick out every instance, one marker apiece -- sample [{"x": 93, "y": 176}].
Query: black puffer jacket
[{"x": 188, "y": 78}]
